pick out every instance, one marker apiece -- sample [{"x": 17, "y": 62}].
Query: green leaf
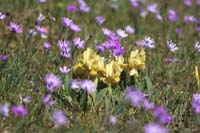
[
  {"x": 100, "y": 96},
  {"x": 149, "y": 86}
]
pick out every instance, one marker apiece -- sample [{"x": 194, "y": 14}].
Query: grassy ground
[{"x": 173, "y": 84}]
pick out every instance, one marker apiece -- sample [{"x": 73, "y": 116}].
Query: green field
[{"x": 135, "y": 51}]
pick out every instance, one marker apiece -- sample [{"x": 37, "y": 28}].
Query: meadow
[{"x": 99, "y": 66}]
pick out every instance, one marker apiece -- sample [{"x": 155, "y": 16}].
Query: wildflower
[
  {"x": 171, "y": 60},
  {"x": 158, "y": 16},
  {"x": 154, "y": 128},
  {"x": 121, "y": 33},
  {"x": 112, "y": 120},
  {"x": 172, "y": 16},
  {"x": 19, "y": 110},
  {"x": 83, "y": 6},
  {"x": 197, "y": 46},
  {"x": 2, "y": 16},
  {"x": 172, "y": 46},
  {"x": 114, "y": 6},
  {"x": 148, "y": 105},
  {"x": 198, "y": 2},
  {"x": 46, "y": 100},
  {"x": 37, "y": 89},
  {"x": 72, "y": 8},
  {"x": 66, "y": 22},
  {"x": 64, "y": 70},
  {"x": 4, "y": 109},
  {"x": 136, "y": 62},
  {"x": 161, "y": 115},
  {"x": 75, "y": 84},
  {"x": 41, "y": 30},
  {"x": 112, "y": 73},
  {"x": 100, "y": 48},
  {"x": 134, "y": 97},
  {"x": 129, "y": 29},
  {"x": 88, "y": 86},
  {"x": 47, "y": 45},
  {"x": 31, "y": 32},
  {"x": 65, "y": 48},
  {"x": 79, "y": 43},
  {"x": 118, "y": 51},
  {"x": 189, "y": 19},
  {"x": 42, "y": 1},
  {"x": 188, "y": 2},
  {"x": 106, "y": 31},
  {"x": 75, "y": 28},
  {"x": 26, "y": 99},
  {"x": 100, "y": 20},
  {"x": 59, "y": 118},
  {"x": 197, "y": 28},
  {"x": 89, "y": 63},
  {"x": 52, "y": 82},
  {"x": 113, "y": 36},
  {"x": 148, "y": 42},
  {"x": 111, "y": 44},
  {"x": 196, "y": 103},
  {"x": 3, "y": 57},
  {"x": 40, "y": 18},
  {"x": 16, "y": 28},
  {"x": 152, "y": 8},
  {"x": 178, "y": 30},
  {"x": 134, "y": 3}
]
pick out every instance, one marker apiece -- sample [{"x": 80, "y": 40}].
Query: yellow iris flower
[{"x": 136, "y": 62}]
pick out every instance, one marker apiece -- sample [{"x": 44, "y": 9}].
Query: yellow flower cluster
[{"x": 91, "y": 65}]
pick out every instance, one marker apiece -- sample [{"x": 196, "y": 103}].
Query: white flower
[
  {"x": 197, "y": 46},
  {"x": 172, "y": 46},
  {"x": 149, "y": 42},
  {"x": 121, "y": 33}
]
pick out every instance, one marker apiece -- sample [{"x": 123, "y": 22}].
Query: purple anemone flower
[
  {"x": 84, "y": 6},
  {"x": 40, "y": 18},
  {"x": 2, "y": 16},
  {"x": 75, "y": 28},
  {"x": 16, "y": 28},
  {"x": 75, "y": 84},
  {"x": 188, "y": 2},
  {"x": 134, "y": 3},
  {"x": 113, "y": 120},
  {"x": 161, "y": 115},
  {"x": 129, "y": 29},
  {"x": 196, "y": 103},
  {"x": 71, "y": 8},
  {"x": 47, "y": 45},
  {"x": 42, "y": 1},
  {"x": 4, "y": 109},
  {"x": 66, "y": 22},
  {"x": 47, "y": 101},
  {"x": 79, "y": 43},
  {"x": 172, "y": 60},
  {"x": 154, "y": 128},
  {"x": 3, "y": 57},
  {"x": 88, "y": 86},
  {"x": 59, "y": 118},
  {"x": 52, "y": 82},
  {"x": 100, "y": 20},
  {"x": 172, "y": 16},
  {"x": 19, "y": 110},
  {"x": 134, "y": 97},
  {"x": 65, "y": 48}
]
